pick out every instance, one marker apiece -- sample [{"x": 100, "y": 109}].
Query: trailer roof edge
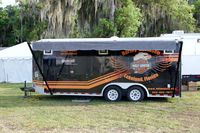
[{"x": 151, "y": 43}]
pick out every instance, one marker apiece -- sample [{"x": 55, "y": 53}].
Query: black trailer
[{"x": 109, "y": 67}]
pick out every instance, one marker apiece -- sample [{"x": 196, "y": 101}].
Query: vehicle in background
[{"x": 190, "y": 55}]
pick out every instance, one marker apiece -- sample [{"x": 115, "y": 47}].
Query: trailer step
[{"x": 81, "y": 100}]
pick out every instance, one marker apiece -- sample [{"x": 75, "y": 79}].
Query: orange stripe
[
  {"x": 85, "y": 87},
  {"x": 88, "y": 86},
  {"x": 101, "y": 77},
  {"x": 41, "y": 83}
]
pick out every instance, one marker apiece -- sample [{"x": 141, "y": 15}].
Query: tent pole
[
  {"x": 177, "y": 69},
  {"x": 39, "y": 68}
]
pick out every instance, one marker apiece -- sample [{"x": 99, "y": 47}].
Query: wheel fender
[{"x": 126, "y": 86}]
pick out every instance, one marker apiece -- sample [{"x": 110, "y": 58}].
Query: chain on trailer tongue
[
  {"x": 29, "y": 45},
  {"x": 177, "y": 75}
]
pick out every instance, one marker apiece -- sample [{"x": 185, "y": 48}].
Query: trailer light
[
  {"x": 48, "y": 52},
  {"x": 168, "y": 86},
  {"x": 71, "y": 72}
]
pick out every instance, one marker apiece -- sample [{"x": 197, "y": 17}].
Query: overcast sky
[{"x": 7, "y": 2}]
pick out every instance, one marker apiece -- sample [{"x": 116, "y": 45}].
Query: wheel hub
[
  {"x": 112, "y": 95},
  {"x": 135, "y": 95}
]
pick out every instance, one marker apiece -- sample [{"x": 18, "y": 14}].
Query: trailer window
[
  {"x": 103, "y": 52},
  {"x": 48, "y": 52}
]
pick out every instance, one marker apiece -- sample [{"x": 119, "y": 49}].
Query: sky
[{"x": 7, "y": 2}]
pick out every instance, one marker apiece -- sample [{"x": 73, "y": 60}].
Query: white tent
[{"x": 16, "y": 64}]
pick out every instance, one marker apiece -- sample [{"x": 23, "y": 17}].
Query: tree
[
  {"x": 161, "y": 16},
  {"x": 20, "y": 23},
  {"x": 31, "y": 25},
  {"x": 9, "y": 25},
  {"x": 127, "y": 19},
  {"x": 3, "y": 25},
  {"x": 181, "y": 14},
  {"x": 104, "y": 29},
  {"x": 197, "y": 14}
]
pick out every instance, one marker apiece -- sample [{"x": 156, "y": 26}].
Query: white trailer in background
[{"x": 190, "y": 54}]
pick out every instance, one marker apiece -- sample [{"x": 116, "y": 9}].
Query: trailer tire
[
  {"x": 135, "y": 94},
  {"x": 112, "y": 94}
]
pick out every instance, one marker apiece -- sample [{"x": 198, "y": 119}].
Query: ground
[{"x": 41, "y": 113}]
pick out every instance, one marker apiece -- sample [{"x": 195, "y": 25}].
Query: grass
[{"x": 41, "y": 113}]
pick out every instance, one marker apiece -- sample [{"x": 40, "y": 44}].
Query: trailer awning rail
[{"x": 105, "y": 44}]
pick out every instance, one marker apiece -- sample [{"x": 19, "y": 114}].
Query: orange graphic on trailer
[
  {"x": 140, "y": 63},
  {"x": 145, "y": 65}
]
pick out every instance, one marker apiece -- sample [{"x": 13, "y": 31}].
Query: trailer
[
  {"x": 190, "y": 55},
  {"x": 107, "y": 67}
]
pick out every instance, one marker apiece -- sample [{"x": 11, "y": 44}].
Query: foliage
[
  {"x": 104, "y": 29},
  {"x": 3, "y": 17},
  {"x": 9, "y": 18},
  {"x": 127, "y": 19},
  {"x": 181, "y": 14},
  {"x": 197, "y": 14},
  {"x": 20, "y": 23},
  {"x": 123, "y": 18},
  {"x": 32, "y": 27},
  {"x": 197, "y": 6},
  {"x": 3, "y": 20},
  {"x": 161, "y": 16},
  {"x": 126, "y": 22},
  {"x": 148, "y": 18}
]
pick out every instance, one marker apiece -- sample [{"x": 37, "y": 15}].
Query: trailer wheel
[
  {"x": 112, "y": 93},
  {"x": 135, "y": 94}
]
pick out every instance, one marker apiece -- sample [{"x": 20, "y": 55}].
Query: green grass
[{"x": 41, "y": 113}]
